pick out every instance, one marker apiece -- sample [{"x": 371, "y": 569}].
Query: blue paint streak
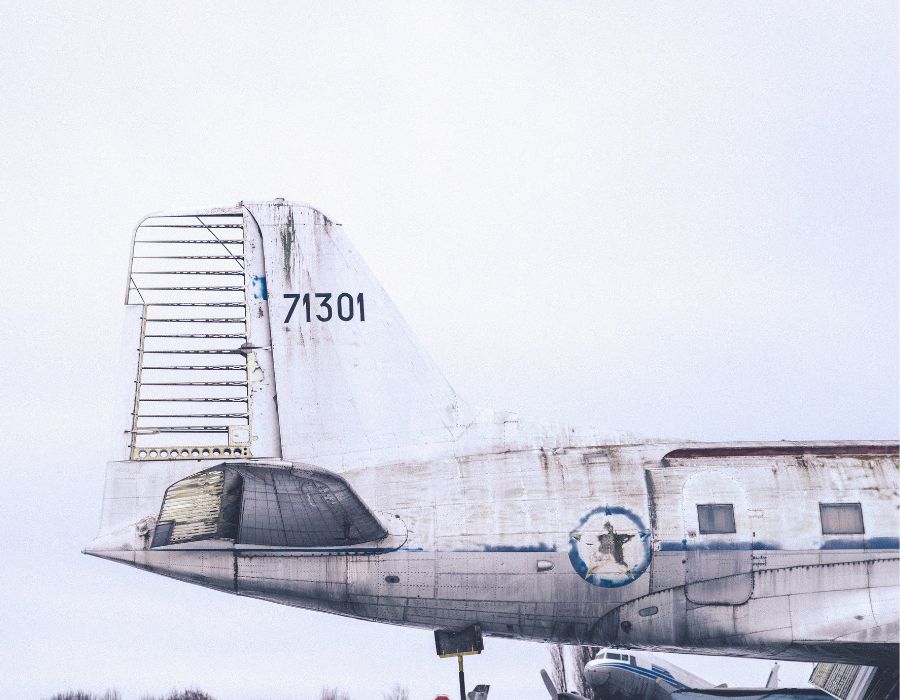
[
  {"x": 718, "y": 546},
  {"x": 839, "y": 543},
  {"x": 723, "y": 546},
  {"x": 862, "y": 543},
  {"x": 662, "y": 672},
  {"x": 844, "y": 543},
  {"x": 540, "y": 547},
  {"x": 260, "y": 282},
  {"x": 767, "y": 546},
  {"x": 646, "y": 673}
]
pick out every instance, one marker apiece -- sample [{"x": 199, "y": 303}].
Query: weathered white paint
[{"x": 264, "y": 422}]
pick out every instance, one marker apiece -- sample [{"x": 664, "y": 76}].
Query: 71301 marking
[{"x": 345, "y": 306}]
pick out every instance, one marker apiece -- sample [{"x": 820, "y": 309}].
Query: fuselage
[{"x": 595, "y": 545}]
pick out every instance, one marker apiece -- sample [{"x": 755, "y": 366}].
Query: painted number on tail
[{"x": 327, "y": 307}]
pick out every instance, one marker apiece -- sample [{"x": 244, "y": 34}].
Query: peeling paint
[{"x": 258, "y": 288}]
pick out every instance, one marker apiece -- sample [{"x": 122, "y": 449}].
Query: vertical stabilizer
[{"x": 352, "y": 382}]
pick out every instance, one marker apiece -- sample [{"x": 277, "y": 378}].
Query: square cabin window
[
  {"x": 716, "y": 518},
  {"x": 841, "y": 518}
]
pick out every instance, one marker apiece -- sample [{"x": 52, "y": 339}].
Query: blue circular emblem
[{"x": 610, "y": 547}]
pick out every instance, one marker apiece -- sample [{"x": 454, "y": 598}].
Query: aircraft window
[
  {"x": 203, "y": 506},
  {"x": 611, "y": 655},
  {"x": 632, "y": 661},
  {"x": 248, "y": 504},
  {"x": 716, "y": 518},
  {"x": 841, "y": 519},
  {"x": 163, "y": 533}
]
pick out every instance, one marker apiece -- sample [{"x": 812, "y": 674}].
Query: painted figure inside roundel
[
  {"x": 609, "y": 548},
  {"x": 608, "y": 556}
]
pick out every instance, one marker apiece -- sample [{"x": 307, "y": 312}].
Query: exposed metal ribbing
[
  {"x": 240, "y": 226},
  {"x": 193, "y": 352},
  {"x": 188, "y": 272},
  {"x": 187, "y": 257},
  {"x": 219, "y": 304},
  {"x": 196, "y": 320},
  {"x": 196, "y": 241},
  {"x": 193, "y": 289},
  {"x": 240, "y": 399},
  {"x": 193, "y": 383},
  {"x": 180, "y": 289},
  {"x": 194, "y": 215},
  {"x": 149, "y": 429},
  {"x": 230, "y": 368},
  {"x": 196, "y": 335},
  {"x": 194, "y": 415}
]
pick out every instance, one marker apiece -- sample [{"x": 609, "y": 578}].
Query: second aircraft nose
[{"x": 596, "y": 674}]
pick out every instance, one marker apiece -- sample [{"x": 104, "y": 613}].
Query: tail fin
[
  {"x": 256, "y": 331},
  {"x": 350, "y": 377}
]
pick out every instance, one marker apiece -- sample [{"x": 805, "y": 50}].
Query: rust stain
[{"x": 287, "y": 242}]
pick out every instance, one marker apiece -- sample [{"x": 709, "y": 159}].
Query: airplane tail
[{"x": 256, "y": 332}]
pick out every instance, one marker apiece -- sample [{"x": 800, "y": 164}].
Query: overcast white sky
[{"x": 670, "y": 219}]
